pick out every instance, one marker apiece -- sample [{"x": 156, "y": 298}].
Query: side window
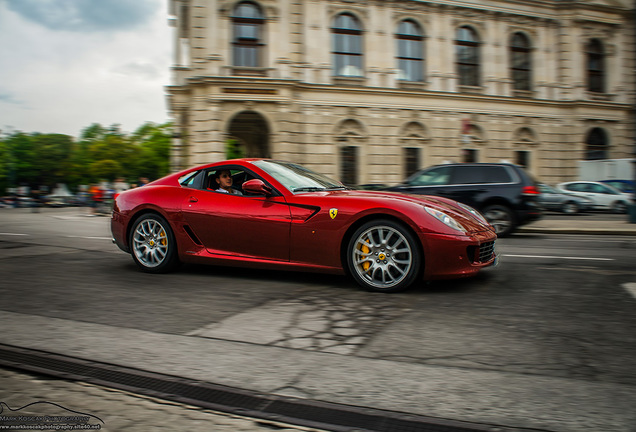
[
  {"x": 469, "y": 175},
  {"x": 432, "y": 177},
  {"x": 496, "y": 174},
  {"x": 239, "y": 177},
  {"x": 603, "y": 190},
  {"x": 583, "y": 187},
  {"x": 190, "y": 180}
]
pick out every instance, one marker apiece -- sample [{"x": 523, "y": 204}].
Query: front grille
[
  {"x": 482, "y": 253},
  {"x": 486, "y": 251}
]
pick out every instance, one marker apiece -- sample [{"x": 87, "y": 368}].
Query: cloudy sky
[{"x": 65, "y": 64}]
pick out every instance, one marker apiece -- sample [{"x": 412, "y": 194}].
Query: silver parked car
[
  {"x": 555, "y": 200},
  {"x": 604, "y": 197}
]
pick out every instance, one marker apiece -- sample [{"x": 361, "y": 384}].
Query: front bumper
[{"x": 449, "y": 256}]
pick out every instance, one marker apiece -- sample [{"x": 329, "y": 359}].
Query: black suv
[{"x": 504, "y": 193}]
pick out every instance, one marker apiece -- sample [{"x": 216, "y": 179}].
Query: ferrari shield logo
[{"x": 333, "y": 213}]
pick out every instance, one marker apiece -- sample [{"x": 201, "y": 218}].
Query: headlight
[
  {"x": 475, "y": 213},
  {"x": 446, "y": 219}
]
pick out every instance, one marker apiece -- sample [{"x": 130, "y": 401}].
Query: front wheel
[
  {"x": 152, "y": 244},
  {"x": 383, "y": 256},
  {"x": 501, "y": 218}
]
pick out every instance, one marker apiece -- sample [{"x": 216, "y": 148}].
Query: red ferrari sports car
[{"x": 280, "y": 215}]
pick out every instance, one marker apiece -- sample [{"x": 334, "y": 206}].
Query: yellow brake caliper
[
  {"x": 365, "y": 250},
  {"x": 163, "y": 241}
]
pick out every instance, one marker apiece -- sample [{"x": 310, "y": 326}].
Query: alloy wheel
[
  {"x": 382, "y": 257},
  {"x": 150, "y": 243}
]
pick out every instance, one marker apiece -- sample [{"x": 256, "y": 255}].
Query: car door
[
  {"x": 604, "y": 195},
  {"x": 236, "y": 225},
  {"x": 580, "y": 190}
]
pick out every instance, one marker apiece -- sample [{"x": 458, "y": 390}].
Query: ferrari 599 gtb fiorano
[{"x": 284, "y": 216}]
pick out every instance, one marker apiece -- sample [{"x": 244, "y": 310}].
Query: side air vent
[{"x": 191, "y": 234}]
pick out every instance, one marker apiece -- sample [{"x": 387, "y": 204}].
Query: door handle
[{"x": 194, "y": 199}]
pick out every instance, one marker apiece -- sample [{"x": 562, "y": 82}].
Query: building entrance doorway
[{"x": 251, "y": 132}]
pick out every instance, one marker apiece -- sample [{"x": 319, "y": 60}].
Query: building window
[
  {"x": 520, "y": 62},
  {"x": 469, "y": 156},
  {"x": 596, "y": 145},
  {"x": 411, "y": 160},
  {"x": 467, "y": 51},
  {"x": 522, "y": 158},
  {"x": 595, "y": 66},
  {"x": 348, "y": 165},
  {"x": 410, "y": 48},
  {"x": 347, "y": 46},
  {"x": 247, "y": 24}
]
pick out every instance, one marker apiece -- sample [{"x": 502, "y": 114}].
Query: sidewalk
[
  {"x": 580, "y": 225},
  {"x": 486, "y": 400},
  {"x": 119, "y": 410}
]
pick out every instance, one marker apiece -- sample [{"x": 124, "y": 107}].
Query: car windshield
[{"x": 297, "y": 178}]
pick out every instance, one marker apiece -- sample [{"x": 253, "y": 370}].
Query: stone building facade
[{"x": 368, "y": 91}]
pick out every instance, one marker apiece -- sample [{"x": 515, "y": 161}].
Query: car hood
[{"x": 395, "y": 199}]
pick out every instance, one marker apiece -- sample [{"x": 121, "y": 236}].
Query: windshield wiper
[
  {"x": 338, "y": 188},
  {"x": 308, "y": 189}
]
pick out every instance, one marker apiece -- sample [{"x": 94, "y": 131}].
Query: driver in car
[{"x": 223, "y": 179}]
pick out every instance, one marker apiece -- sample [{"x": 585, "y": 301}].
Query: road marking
[
  {"x": 13, "y": 234},
  {"x": 558, "y": 257},
  {"x": 631, "y": 288},
  {"x": 91, "y": 238}
]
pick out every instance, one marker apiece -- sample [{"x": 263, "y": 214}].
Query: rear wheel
[
  {"x": 501, "y": 218},
  {"x": 152, "y": 244},
  {"x": 383, "y": 256},
  {"x": 570, "y": 207},
  {"x": 619, "y": 207}
]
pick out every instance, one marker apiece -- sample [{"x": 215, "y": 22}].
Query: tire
[
  {"x": 570, "y": 207},
  {"x": 152, "y": 244},
  {"x": 619, "y": 207},
  {"x": 501, "y": 218},
  {"x": 383, "y": 256}
]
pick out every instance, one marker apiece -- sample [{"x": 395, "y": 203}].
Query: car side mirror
[{"x": 256, "y": 186}]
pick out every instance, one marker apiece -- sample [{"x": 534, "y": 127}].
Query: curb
[{"x": 583, "y": 231}]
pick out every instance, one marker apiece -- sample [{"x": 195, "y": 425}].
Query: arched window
[
  {"x": 410, "y": 49},
  {"x": 596, "y": 145},
  {"x": 595, "y": 66},
  {"x": 347, "y": 46},
  {"x": 467, "y": 51},
  {"x": 520, "y": 62},
  {"x": 247, "y": 23}
]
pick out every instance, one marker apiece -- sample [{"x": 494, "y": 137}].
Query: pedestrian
[
  {"x": 96, "y": 198},
  {"x": 120, "y": 185},
  {"x": 35, "y": 201}
]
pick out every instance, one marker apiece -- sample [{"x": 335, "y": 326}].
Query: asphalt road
[{"x": 557, "y": 307}]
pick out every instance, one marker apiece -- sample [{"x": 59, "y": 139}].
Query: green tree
[
  {"x": 155, "y": 142},
  {"x": 233, "y": 149},
  {"x": 106, "y": 169},
  {"x": 52, "y": 158},
  {"x": 100, "y": 153}
]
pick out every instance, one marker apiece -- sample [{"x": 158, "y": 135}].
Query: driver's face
[{"x": 224, "y": 180}]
